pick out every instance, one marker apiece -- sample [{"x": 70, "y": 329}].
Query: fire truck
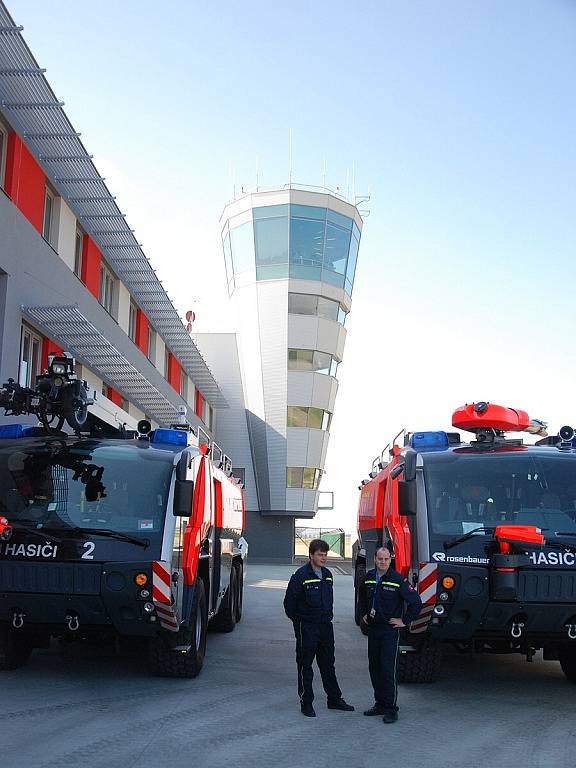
[
  {"x": 136, "y": 539},
  {"x": 485, "y": 530}
]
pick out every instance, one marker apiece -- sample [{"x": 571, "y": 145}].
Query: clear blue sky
[{"x": 460, "y": 119}]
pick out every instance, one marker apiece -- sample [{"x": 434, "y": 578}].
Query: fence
[{"x": 335, "y": 537}]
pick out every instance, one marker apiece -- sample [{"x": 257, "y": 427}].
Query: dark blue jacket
[
  {"x": 309, "y": 598},
  {"x": 392, "y": 598}
]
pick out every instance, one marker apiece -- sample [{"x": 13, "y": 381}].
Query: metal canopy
[
  {"x": 68, "y": 326},
  {"x": 33, "y": 110}
]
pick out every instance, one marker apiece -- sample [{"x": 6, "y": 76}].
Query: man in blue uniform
[
  {"x": 388, "y": 602},
  {"x": 308, "y": 604}
]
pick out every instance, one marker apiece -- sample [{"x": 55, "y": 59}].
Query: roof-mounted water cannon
[
  {"x": 490, "y": 422},
  {"x": 58, "y": 396}
]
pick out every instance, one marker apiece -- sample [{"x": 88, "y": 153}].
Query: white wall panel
[
  {"x": 322, "y": 389},
  {"x": 315, "y": 445},
  {"x": 328, "y": 333},
  {"x": 303, "y": 332},
  {"x": 273, "y": 322},
  {"x": 297, "y": 447},
  {"x": 300, "y": 388},
  {"x": 123, "y": 306},
  {"x": 309, "y": 500},
  {"x": 231, "y": 429},
  {"x": 66, "y": 233},
  {"x": 160, "y": 354},
  {"x": 294, "y": 499},
  {"x": 341, "y": 340}
]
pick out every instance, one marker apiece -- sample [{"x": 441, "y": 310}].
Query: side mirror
[
  {"x": 407, "y": 497},
  {"x": 183, "y": 466},
  {"x": 183, "y": 494},
  {"x": 410, "y": 458}
]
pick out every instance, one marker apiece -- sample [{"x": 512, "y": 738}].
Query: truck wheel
[
  {"x": 225, "y": 619},
  {"x": 419, "y": 666},
  {"x": 239, "y": 591},
  {"x": 360, "y": 574},
  {"x": 167, "y": 662},
  {"x": 14, "y": 651},
  {"x": 567, "y": 657}
]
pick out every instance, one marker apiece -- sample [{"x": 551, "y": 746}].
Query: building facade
[
  {"x": 290, "y": 259},
  {"x": 72, "y": 275},
  {"x": 74, "y": 278}
]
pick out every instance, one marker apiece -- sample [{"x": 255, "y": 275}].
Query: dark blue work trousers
[
  {"x": 315, "y": 641},
  {"x": 383, "y": 644}
]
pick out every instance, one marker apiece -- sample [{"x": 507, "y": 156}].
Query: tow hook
[
  {"x": 517, "y": 627},
  {"x": 571, "y": 631},
  {"x": 73, "y": 622},
  {"x": 18, "y": 619}
]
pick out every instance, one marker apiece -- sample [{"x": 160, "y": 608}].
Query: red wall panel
[
  {"x": 91, "y": 258},
  {"x": 173, "y": 374},
  {"x": 115, "y": 396},
  {"x": 198, "y": 404},
  {"x": 142, "y": 331},
  {"x": 25, "y": 181},
  {"x": 49, "y": 347}
]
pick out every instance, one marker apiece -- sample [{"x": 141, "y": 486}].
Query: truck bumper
[{"x": 76, "y": 598}]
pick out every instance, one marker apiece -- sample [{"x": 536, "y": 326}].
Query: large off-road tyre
[
  {"x": 76, "y": 408},
  {"x": 360, "y": 574},
  {"x": 239, "y": 590},
  {"x": 567, "y": 658},
  {"x": 190, "y": 643},
  {"x": 225, "y": 619},
  {"x": 420, "y": 666},
  {"x": 15, "y": 651}
]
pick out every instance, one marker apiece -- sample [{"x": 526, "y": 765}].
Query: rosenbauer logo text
[{"x": 537, "y": 558}]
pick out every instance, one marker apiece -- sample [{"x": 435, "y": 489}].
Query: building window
[
  {"x": 30, "y": 356},
  {"x": 132, "y": 315},
  {"x": 309, "y": 304},
  {"x": 78, "y": 246},
  {"x": 313, "y": 418},
  {"x": 312, "y": 360},
  {"x": 47, "y": 222},
  {"x": 151, "y": 345},
  {"x": 303, "y": 477},
  {"x": 3, "y": 148},
  {"x": 106, "y": 288}
]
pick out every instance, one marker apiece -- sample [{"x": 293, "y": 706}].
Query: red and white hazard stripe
[
  {"x": 162, "y": 596},
  {"x": 427, "y": 587}
]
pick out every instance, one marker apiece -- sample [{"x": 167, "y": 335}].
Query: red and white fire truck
[
  {"x": 118, "y": 538},
  {"x": 485, "y": 530}
]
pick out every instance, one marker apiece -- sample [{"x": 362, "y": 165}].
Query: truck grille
[
  {"x": 552, "y": 586},
  {"x": 50, "y": 578}
]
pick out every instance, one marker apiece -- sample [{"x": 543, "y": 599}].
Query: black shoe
[
  {"x": 307, "y": 710},
  {"x": 341, "y": 705},
  {"x": 390, "y": 717},
  {"x": 375, "y": 710}
]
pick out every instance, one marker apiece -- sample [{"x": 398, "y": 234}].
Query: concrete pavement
[{"x": 91, "y": 708}]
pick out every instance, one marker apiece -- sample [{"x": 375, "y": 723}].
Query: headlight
[
  {"x": 144, "y": 593},
  {"x": 443, "y": 597},
  {"x": 59, "y": 368},
  {"x": 148, "y": 607},
  {"x": 448, "y": 582},
  {"x": 140, "y": 579},
  {"x": 439, "y": 610}
]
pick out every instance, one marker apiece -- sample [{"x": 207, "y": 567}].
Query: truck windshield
[
  {"x": 467, "y": 490},
  {"x": 87, "y": 484}
]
